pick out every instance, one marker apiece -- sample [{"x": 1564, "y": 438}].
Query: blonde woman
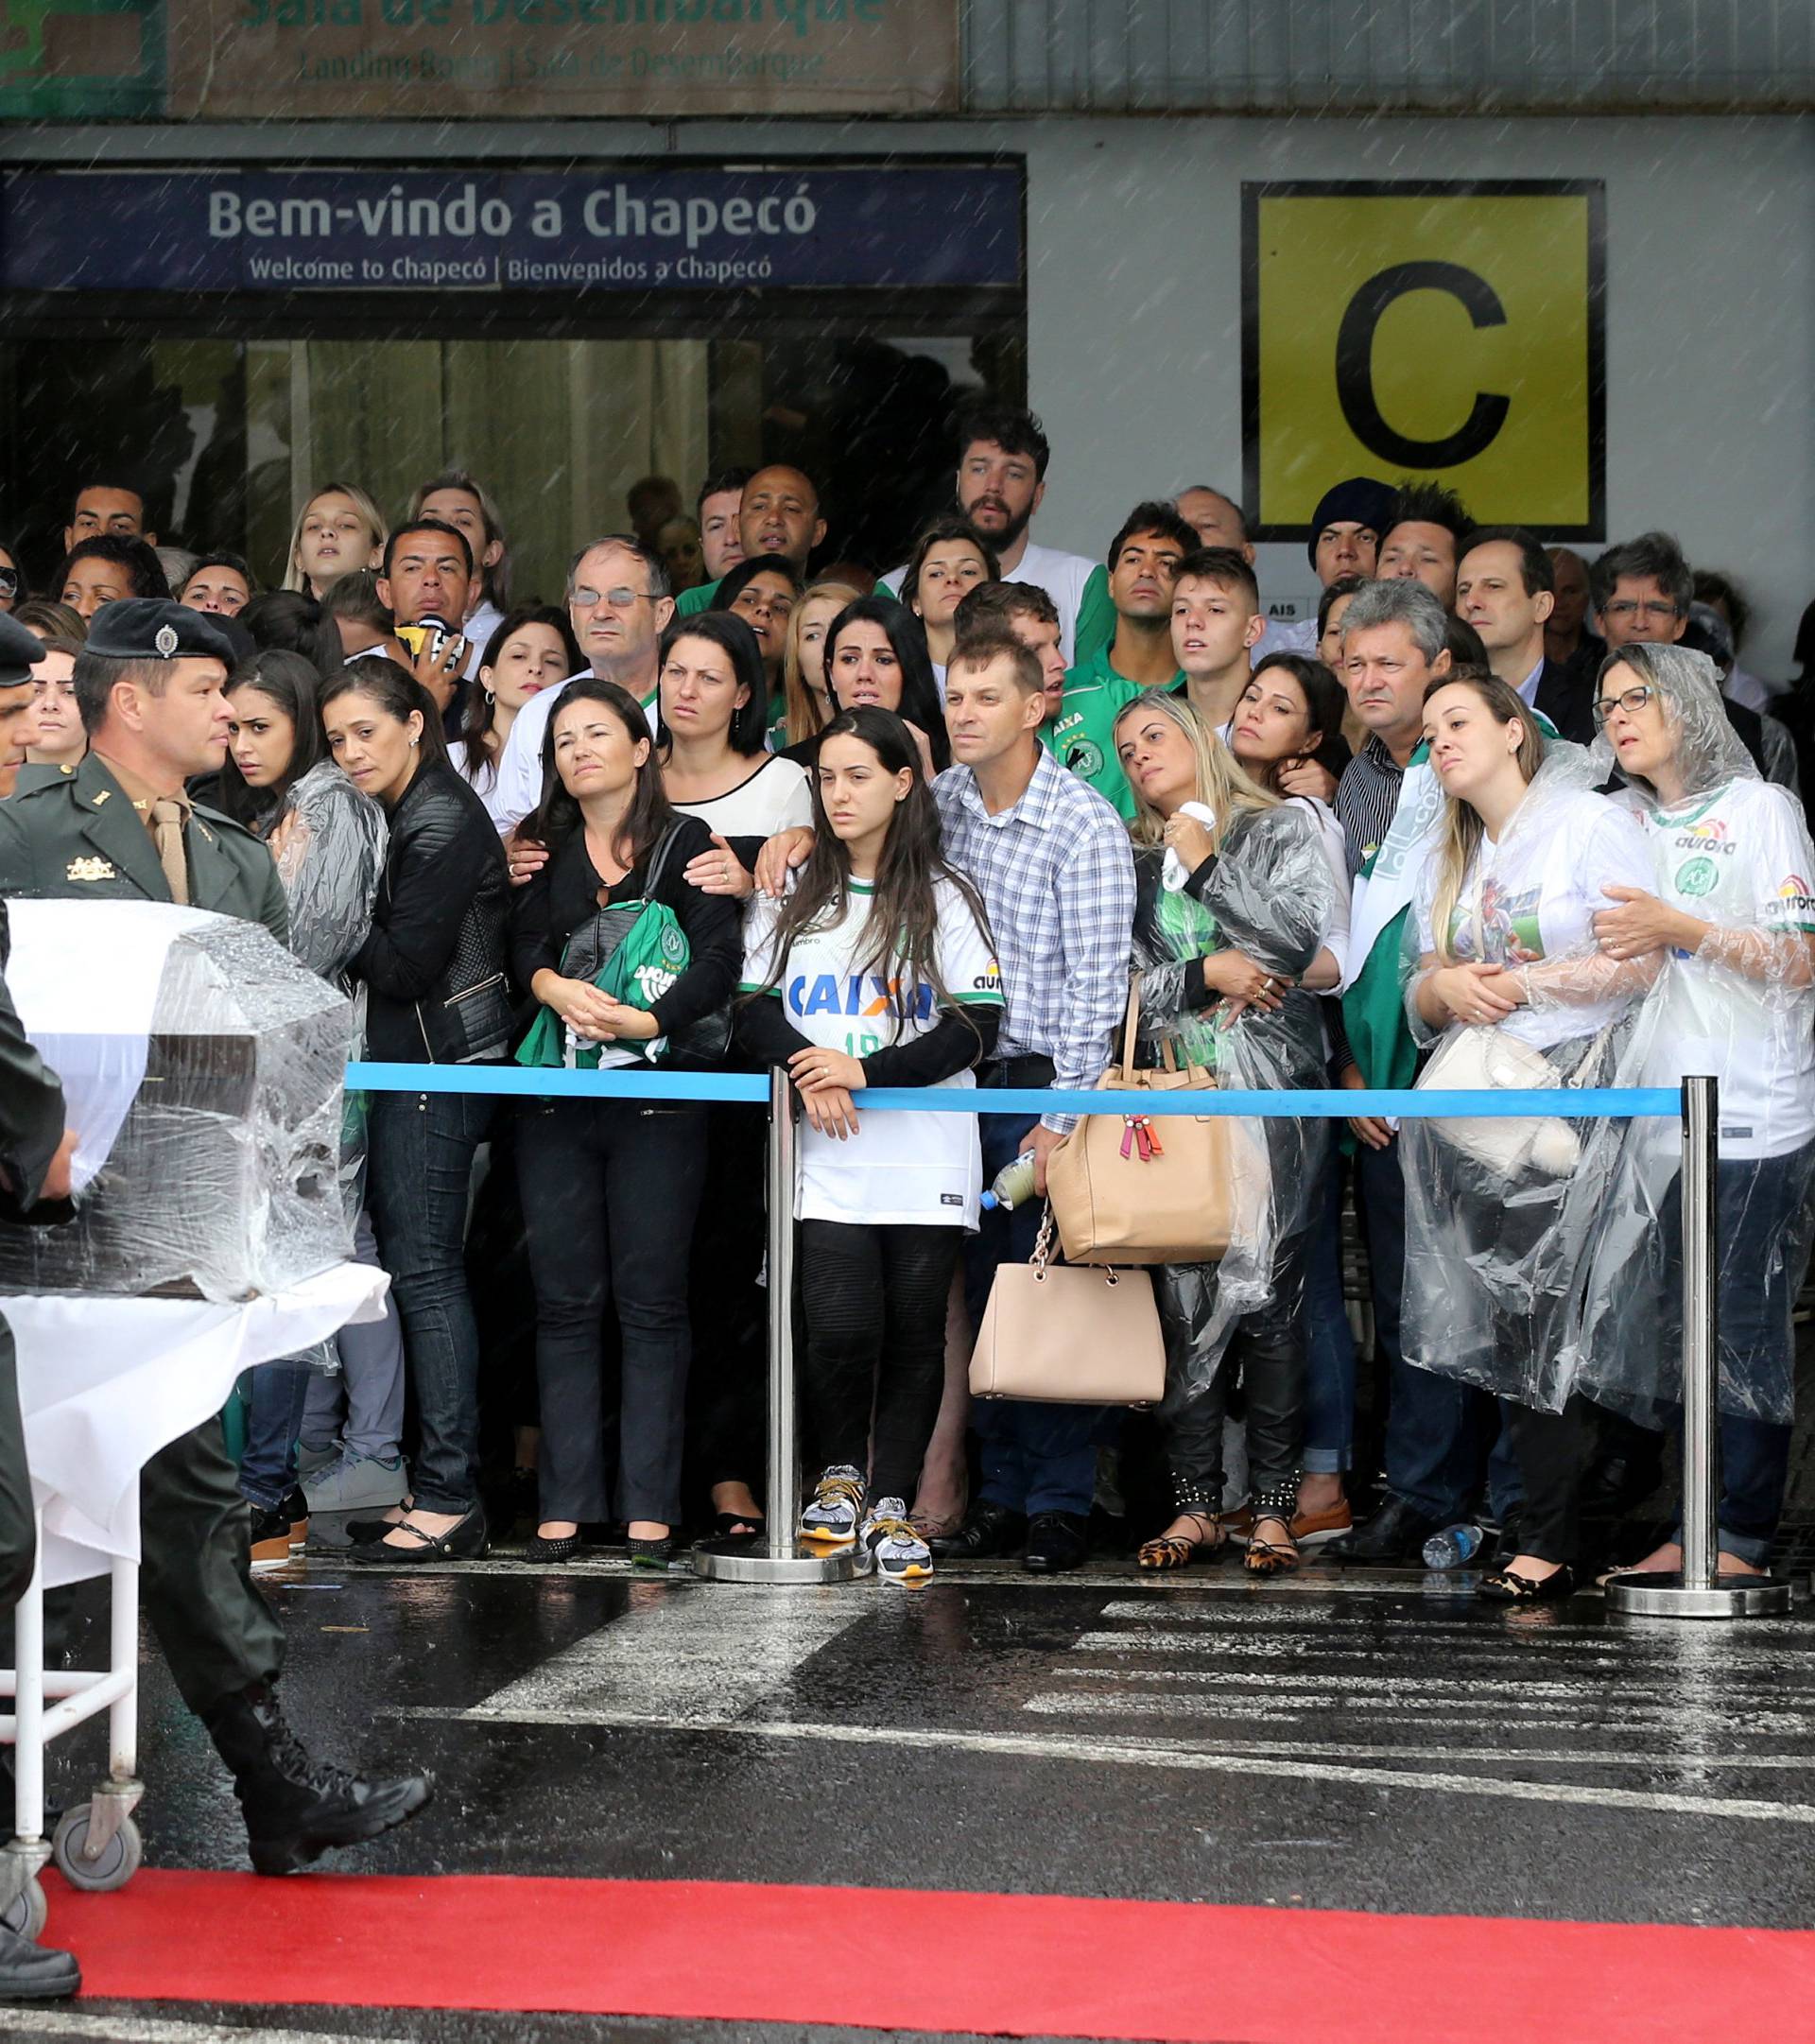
[
  {"x": 1234, "y": 900},
  {"x": 1510, "y": 984},
  {"x": 338, "y": 531},
  {"x": 808, "y": 705}
]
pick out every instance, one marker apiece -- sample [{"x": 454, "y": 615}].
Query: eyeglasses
[
  {"x": 619, "y": 599},
  {"x": 1632, "y": 703},
  {"x": 9, "y": 582},
  {"x": 1630, "y": 607}
]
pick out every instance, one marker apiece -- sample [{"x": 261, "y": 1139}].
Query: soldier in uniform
[
  {"x": 34, "y": 1187},
  {"x": 121, "y": 827}
]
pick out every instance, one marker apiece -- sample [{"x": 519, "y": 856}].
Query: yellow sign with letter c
[{"x": 1454, "y": 331}]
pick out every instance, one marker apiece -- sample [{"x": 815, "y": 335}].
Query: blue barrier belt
[{"x": 630, "y": 1083}]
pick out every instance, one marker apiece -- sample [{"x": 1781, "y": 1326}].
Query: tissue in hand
[{"x": 1174, "y": 872}]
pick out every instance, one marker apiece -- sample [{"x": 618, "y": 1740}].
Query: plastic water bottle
[
  {"x": 1454, "y": 1547},
  {"x": 1013, "y": 1184}
]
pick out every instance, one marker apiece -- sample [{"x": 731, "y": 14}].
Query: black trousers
[
  {"x": 1267, "y": 1354},
  {"x": 610, "y": 1192},
  {"x": 1553, "y": 1449},
  {"x": 18, "y": 1533},
  {"x": 875, "y": 1338},
  {"x": 728, "y": 1422}
]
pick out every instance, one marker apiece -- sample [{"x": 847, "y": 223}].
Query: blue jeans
[
  {"x": 1759, "y": 1204},
  {"x": 359, "y": 1407},
  {"x": 1442, "y": 1436},
  {"x": 1329, "y": 1378},
  {"x": 420, "y": 1176},
  {"x": 276, "y": 1393},
  {"x": 1035, "y": 1457}
]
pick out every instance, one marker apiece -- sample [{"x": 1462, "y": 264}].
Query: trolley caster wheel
[
  {"x": 120, "y": 1859},
  {"x": 27, "y": 1914}
]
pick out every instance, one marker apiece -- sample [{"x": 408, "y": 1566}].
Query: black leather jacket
[{"x": 436, "y": 966}]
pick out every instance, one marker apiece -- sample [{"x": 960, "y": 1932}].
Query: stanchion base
[
  {"x": 752, "y": 1561},
  {"x": 1666, "y": 1595}
]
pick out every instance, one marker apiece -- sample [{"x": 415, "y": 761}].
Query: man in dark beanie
[
  {"x": 1345, "y": 538},
  {"x": 1347, "y": 527}
]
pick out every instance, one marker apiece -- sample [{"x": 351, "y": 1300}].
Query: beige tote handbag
[
  {"x": 1070, "y": 1336},
  {"x": 1130, "y": 1189}
]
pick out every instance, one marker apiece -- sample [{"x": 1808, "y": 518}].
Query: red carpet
[{"x": 900, "y": 1958}]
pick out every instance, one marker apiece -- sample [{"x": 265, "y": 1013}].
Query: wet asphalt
[{"x": 1353, "y": 1739}]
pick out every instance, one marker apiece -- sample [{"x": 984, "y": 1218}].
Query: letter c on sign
[{"x": 1355, "y": 366}]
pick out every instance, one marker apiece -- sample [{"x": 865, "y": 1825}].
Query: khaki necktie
[{"x": 167, "y": 819}]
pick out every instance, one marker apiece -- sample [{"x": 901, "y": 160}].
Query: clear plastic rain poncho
[
  {"x": 329, "y": 845},
  {"x": 1501, "y": 1215},
  {"x": 1731, "y": 854},
  {"x": 1271, "y": 896},
  {"x": 206, "y": 1064}
]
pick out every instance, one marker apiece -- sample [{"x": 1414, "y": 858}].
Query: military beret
[
  {"x": 154, "y": 628},
  {"x": 19, "y": 650}
]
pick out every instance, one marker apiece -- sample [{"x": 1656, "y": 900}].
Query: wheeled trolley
[{"x": 96, "y": 1843}]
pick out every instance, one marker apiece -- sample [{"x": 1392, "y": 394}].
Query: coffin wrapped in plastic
[{"x": 202, "y": 1066}]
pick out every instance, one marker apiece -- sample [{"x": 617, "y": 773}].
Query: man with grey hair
[
  {"x": 1392, "y": 650},
  {"x": 617, "y": 598}
]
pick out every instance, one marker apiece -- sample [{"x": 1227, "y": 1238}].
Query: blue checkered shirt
[{"x": 1056, "y": 873}]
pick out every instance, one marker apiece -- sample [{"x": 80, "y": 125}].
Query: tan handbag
[
  {"x": 1127, "y": 1189},
  {"x": 1067, "y": 1336}
]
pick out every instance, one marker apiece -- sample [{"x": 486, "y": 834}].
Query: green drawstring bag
[{"x": 633, "y": 951}]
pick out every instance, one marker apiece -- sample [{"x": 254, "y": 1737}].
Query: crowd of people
[{"x": 1498, "y": 816}]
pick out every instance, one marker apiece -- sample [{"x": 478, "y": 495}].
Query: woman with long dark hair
[
  {"x": 950, "y": 559},
  {"x": 877, "y": 968},
  {"x": 711, "y": 710},
  {"x": 532, "y": 649},
  {"x": 877, "y": 658},
  {"x": 1290, "y": 715},
  {"x": 628, "y": 965},
  {"x": 435, "y": 975},
  {"x": 711, "y": 702},
  {"x": 762, "y": 592},
  {"x": 328, "y": 841}
]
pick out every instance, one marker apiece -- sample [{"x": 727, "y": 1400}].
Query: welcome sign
[
  {"x": 701, "y": 227},
  {"x": 504, "y": 59}
]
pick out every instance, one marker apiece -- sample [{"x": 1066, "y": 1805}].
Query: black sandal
[
  {"x": 739, "y": 1526},
  {"x": 1507, "y": 1586}
]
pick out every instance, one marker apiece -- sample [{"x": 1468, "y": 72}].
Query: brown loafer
[{"x": 1328, "y": 1524}]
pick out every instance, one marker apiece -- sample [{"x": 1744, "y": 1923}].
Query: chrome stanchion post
[
  {"x": 783, "y": 1557},
  {"x": 1700, "y": 1591}
]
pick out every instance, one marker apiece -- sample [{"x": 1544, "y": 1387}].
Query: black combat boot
[
  {"x": 296, "y": 1809},
  {"x": 31, "y": 1972}
]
